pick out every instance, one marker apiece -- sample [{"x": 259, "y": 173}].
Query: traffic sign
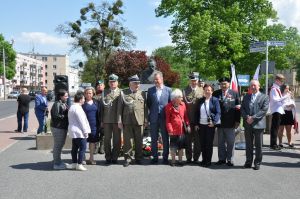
[
  {"x": 258, "y": 44},
  {"x": 257, "y": 49},
  {"x": 276, "y": 43},
  {"x": 244, "y": 80}
]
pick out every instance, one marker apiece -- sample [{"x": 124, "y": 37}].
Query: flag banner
[
  {"x": 233, "y": 82},
  {"x": 256, "y": 74}
]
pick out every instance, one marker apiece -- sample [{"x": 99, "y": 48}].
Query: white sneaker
[
  {"x": 71, "y": 166},
  {"x": 83, "y": 162},
  {"x": 61, "y": 166},
  {"x": 80, "y": 167}
]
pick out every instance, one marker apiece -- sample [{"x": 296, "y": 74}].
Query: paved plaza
[{"x": 27, "y": 173}]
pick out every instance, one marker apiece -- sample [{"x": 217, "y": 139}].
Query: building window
[
  {"x": 44, "y": 58},
  {"x": 54, "y": 66},
  {"x": 54, "y": 59},
  {"x": 46, "y": 74},
  {"x": 54, "y": 74},
  {"x": 46, "y": 66},
  {"x": 46, "y": 81}
]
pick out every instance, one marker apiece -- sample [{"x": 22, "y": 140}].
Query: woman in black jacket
[
  {"x": 59, "y": 127},
  {"x": 208, "y": 116}
]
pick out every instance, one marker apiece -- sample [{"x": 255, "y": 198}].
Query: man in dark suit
[
  {"x": 254, "y": 109},
  {"x": 41, "y": 109},
  {"x": 230, "y": 119},
  {"x": 158, "y": 97}
]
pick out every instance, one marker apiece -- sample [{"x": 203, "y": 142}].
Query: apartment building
[{"x": 54, "y": 65}]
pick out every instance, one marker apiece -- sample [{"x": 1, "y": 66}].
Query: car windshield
[{"x": 14, "y": 92}]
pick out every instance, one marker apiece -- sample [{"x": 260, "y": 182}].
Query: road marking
[{"x": 7, "y": 117}]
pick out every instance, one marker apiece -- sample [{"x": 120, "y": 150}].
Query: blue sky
[{"x": 33, "y": 22}]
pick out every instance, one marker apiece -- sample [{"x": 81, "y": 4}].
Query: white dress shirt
[
  {"x": 204, "y": 113},
  {"x": 159, "y": 92},
  {"x": 276, "y": 100}
]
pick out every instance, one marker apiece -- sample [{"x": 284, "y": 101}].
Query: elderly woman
[
  {"x": 287, "y": 119},
  {"x": 92, "y": 109},
  {"x": 59, "y": 127},
  {"x": 208, "y": 114},
  {"x": 176, "y": 117}
]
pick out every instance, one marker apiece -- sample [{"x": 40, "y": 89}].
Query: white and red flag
[
  {"x": 256, "y": 74},
  {"x": 233, "y": 82}
]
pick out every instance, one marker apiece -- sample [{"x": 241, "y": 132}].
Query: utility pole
[{"x": 4, "y": 73}]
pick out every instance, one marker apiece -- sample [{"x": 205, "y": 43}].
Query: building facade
[{"x": 54, "y": 65}]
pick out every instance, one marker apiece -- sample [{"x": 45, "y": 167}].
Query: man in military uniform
[
  {"x": 100, "y": 86},
  {"x": 132, "y": 117},
  {"x": 230, "y": 120},
  {"x": 191, "y": 94},
  {"x": 109, "y": 120},
  {"x": 201, "y": 83}
]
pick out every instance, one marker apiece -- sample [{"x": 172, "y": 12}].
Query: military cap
[
  {"x": 224, "y": 79},
  {"x": 134, "y": 78},
  {"x": 99, "y": 82},
  {"x": 113, "y": 77},
  {"x": 194, "y": 76}
]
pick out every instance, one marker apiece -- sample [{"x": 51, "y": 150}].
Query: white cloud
[
  {"x": 41, "y": 38},
  {"x": 288, "y": 12}
]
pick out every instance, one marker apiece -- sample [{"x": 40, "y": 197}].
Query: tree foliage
[
  {"x": 216, "y": 33},
  {"x": 178, "y": 63},
  {"x": 97, "y": 33},
  {"x": 10, "y": 59},
  {"x": 128, "y": 63}
]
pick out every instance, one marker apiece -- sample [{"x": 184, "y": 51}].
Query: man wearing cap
[
  {"x": 23, "y": 110},
  {"x": 100, "y": 86},
  {"x": 201, "y": 83},
  {"x": 230, "y": 120},
  {"x": 158, "y": 97},
  {"x": 132, "y": 117},
  {"x": 276, "y": 108},
  {"x": 109, "y": 120},
  {"x": 191, "y": 94}
]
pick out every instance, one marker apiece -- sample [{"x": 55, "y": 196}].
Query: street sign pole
[
  {"x": 4, "y": 73},
  {"x": 267, "y": 66}
]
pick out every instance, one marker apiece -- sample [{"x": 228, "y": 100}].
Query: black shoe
[
  {"x": 292, "y": 145},
  {"x": 230, "y": 164},
  {"x": 256, "y": 167},
  {"x": 208, "y": 164},
  {"x": 180, "y": 164},
  {"x": 126, "y": 164},
  {"x": 280, "y": 145},
  {"x": 18, "y": 131},
  {"x": 154, "y": 161},
  {"x": 275, "y": 147},
  {"x": 189, "y": 161},
  {"x": 247, "y": 166},
  {"x": 25, "y": 131},
  {"x": 165, "y": 162},
  {"x": 108, "y": 162},
  {"x": 114, "y": 161},
  {"x": 195, "y": 161},
  {"x": 220, "y": 162},
  {"x": 202, "y": 164},
  {"x": 172, "y": 164}
]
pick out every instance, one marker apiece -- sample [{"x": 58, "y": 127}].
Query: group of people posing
[{"x": 185, "y": 119}]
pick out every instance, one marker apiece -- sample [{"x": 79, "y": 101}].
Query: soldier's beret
[{"x": 224, "y": 79}]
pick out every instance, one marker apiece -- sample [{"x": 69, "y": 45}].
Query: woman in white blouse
[
  {"x": 79, "y": 129},
  {"x": 287, "y": 119}
]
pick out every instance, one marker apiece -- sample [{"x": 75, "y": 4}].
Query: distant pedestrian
[
  {"x": 287, "y": 119},
  {"x": 23, "y": 110},
  {"x": 208, "y": 115},
  {"x": 92, "y": 110},
  {"x": 276, "y": 108},
  {"x": 230, "y": 119},
  {"x": 176, "y": 118},
  {"x": 41, "y": 109},
  {"x": 59, "y": 127},
  {"x": 79, "y": 129},
  {"x": 254, "y": 109}
]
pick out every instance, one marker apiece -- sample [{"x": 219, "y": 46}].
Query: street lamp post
[{"x": 4, "y": 73}]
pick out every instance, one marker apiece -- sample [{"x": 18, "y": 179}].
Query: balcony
[
  {"x": 23, "y": 73},
  {"x": 32, "y": 66},
  {"x": 40, "y": 75},
  {"x": 33, "y": 74}
]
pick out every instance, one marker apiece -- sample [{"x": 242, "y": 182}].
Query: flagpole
[{"x": 267, "y": 65}]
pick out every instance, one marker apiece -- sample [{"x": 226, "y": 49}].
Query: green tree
[
  {"x": 216, "y": 33},
  {"x": 10, "y": 58},
  {"x": 97, "y": 34},
  {"x": 179, "y": 63}
]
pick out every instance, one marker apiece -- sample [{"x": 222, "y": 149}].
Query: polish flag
[
  {"x": 256, "y": 75},
  {"x": 233, "y": 82}
]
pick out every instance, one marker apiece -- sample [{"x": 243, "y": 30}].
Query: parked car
[
  {"x": 33, "y": 93},
  {"x": 50, "y": 95},
  {"x": 13, "y": 95}
]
